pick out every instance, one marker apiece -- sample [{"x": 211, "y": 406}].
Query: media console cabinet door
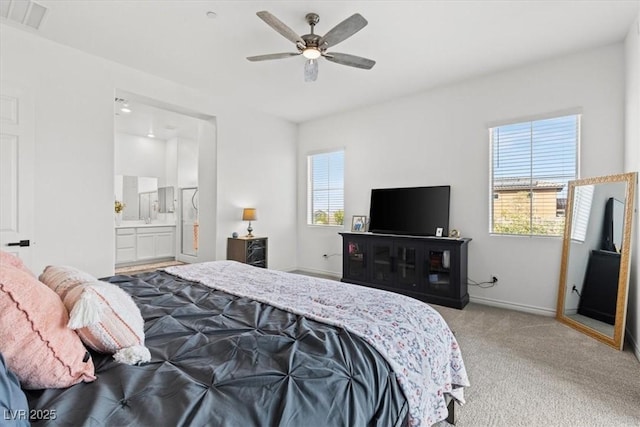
[
  {"x": 355, "y": 258},
  {"x": 430, "y": 269}
]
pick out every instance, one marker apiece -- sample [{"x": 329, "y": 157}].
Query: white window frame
[
  {"x": 573, "y": 112},
  {"x": 310, "y": 191}
]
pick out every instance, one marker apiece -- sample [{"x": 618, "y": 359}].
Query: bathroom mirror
[
  {"x": 594, "y": 272},
  {"x": 166, "y": 200},
  {"x": 140, "y": 196}
]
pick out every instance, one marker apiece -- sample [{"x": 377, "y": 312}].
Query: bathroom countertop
[{"x": 134, "y": 224}]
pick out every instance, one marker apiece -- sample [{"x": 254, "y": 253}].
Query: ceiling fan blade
[
  {"x": 350, "y": 60},
  {"x": 311, "y": 70},
  {"x": 271, "y": 56},
  {"x": 280, "y": 27},
  {"x": 343, "y": 30}
]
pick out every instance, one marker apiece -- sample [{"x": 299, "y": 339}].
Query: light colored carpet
[
  {"x": 533, "y": 371},
  {"x": 528, "y": 370},
  {"x": 603, "y": 327}
]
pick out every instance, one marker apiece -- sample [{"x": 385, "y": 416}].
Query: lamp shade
[{"x": 249, "y": 214}]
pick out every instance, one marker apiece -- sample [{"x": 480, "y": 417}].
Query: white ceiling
[
  {"x": 417, "y": 44},
  {"x": 145, "y": 118}
]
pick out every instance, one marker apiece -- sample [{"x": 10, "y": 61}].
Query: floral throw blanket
[{"x": 413, "y": 338}]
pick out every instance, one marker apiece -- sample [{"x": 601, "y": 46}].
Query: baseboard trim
[
  {"x": 635, "y": 348},
  {"x": 287, "y": 270},
  {"x": 332, "y": 274},
  {"x": 513, "y": 306}
]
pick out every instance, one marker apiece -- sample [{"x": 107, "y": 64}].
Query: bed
[{"x": 234, "y": 345}]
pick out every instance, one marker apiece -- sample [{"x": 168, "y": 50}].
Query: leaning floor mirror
[{"x": 594, "y": 272}]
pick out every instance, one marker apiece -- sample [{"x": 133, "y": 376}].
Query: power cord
[
  {"x": 327, "y": 256},
  {"x": 484, "y": 285}
]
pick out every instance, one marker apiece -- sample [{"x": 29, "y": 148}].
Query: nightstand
[{"x": 249, "y": 250}]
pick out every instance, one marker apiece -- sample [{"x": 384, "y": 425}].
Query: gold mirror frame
[{"x": 617, "y": 340}]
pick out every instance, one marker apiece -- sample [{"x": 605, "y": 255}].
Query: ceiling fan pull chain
[{"x": 311, "y": 70}]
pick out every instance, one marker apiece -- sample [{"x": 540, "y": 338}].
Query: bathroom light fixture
[
  {"x": 249, "y": 214},
  {"x": 123, "y": 105},
  {"x": 150, "y": 134}
]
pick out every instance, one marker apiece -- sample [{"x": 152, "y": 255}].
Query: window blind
[
  {"x": 582, "y": 198},
  {"x": 325, "y": 188},
  {"x": 532, "y": 163}
]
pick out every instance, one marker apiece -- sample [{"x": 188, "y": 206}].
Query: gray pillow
[{"x": 14, "y": 410}]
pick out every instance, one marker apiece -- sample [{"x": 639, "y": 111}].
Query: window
[
  {"x": 325, "y": 188},
  {"x": 532, "y": 163},
  {"x": 583, "y": 196}
]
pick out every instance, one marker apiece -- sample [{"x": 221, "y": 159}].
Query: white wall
[
  {"x": 259, "y": 172},
  {"x": 74, "y": 162},
  {"x": 140, "y": 156},
  {"x": 171, "y": 168},
  {"x": 187, "y": 162},
  {"x": 632, "y": 164},
  {"x": 440, "y": 137}
]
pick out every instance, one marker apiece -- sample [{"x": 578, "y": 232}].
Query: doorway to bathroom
[{"x": 156, "y": 184}]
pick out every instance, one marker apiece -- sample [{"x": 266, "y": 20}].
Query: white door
[{"x": 16, "y": 171}]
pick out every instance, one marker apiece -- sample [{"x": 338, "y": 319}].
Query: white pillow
[{"x": 105, "y": 317}]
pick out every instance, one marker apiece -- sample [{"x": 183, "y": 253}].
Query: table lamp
[{"x": 249, "y": 214}]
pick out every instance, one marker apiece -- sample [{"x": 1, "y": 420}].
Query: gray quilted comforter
[{"x": 224, "y": 360}]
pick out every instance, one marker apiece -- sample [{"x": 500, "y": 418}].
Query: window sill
[{"x": 330, "y": 227}]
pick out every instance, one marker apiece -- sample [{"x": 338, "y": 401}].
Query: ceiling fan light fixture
[
  {"x": 311, "y": 53},
  {"x": 312, "y": 46}
]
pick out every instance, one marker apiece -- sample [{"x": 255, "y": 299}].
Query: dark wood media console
[
  {"x": 431, "y": 269},
  {"x": 600, "y": 289}
]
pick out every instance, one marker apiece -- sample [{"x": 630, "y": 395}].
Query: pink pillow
[
  {"x": 7, "y": 258},
  {"x": 34, "y": 338},
  {"x": 106, "y": 317}
]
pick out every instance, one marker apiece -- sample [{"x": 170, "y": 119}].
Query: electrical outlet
[{"x": 493, "y": 279}]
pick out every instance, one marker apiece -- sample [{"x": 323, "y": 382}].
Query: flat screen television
[{"x": 416, "y": 211}]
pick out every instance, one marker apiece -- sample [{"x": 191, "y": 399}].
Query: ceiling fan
[{"x": 313, "y": 46}]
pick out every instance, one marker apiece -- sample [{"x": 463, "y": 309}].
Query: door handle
[{"x": 20, "y": 243}]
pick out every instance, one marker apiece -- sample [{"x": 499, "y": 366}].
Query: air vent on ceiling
[{"x": 24, "y": 12}]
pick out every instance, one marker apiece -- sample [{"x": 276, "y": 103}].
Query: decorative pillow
[
  {"x": 105, "y": 316},
  {"x": 13, "y": 402},
  {"x": 34, "y": 338},
  {"x": 7, "y": 258}
]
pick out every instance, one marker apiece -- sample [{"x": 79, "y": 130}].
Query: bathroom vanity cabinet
[{"x": 144, "y": 243}]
